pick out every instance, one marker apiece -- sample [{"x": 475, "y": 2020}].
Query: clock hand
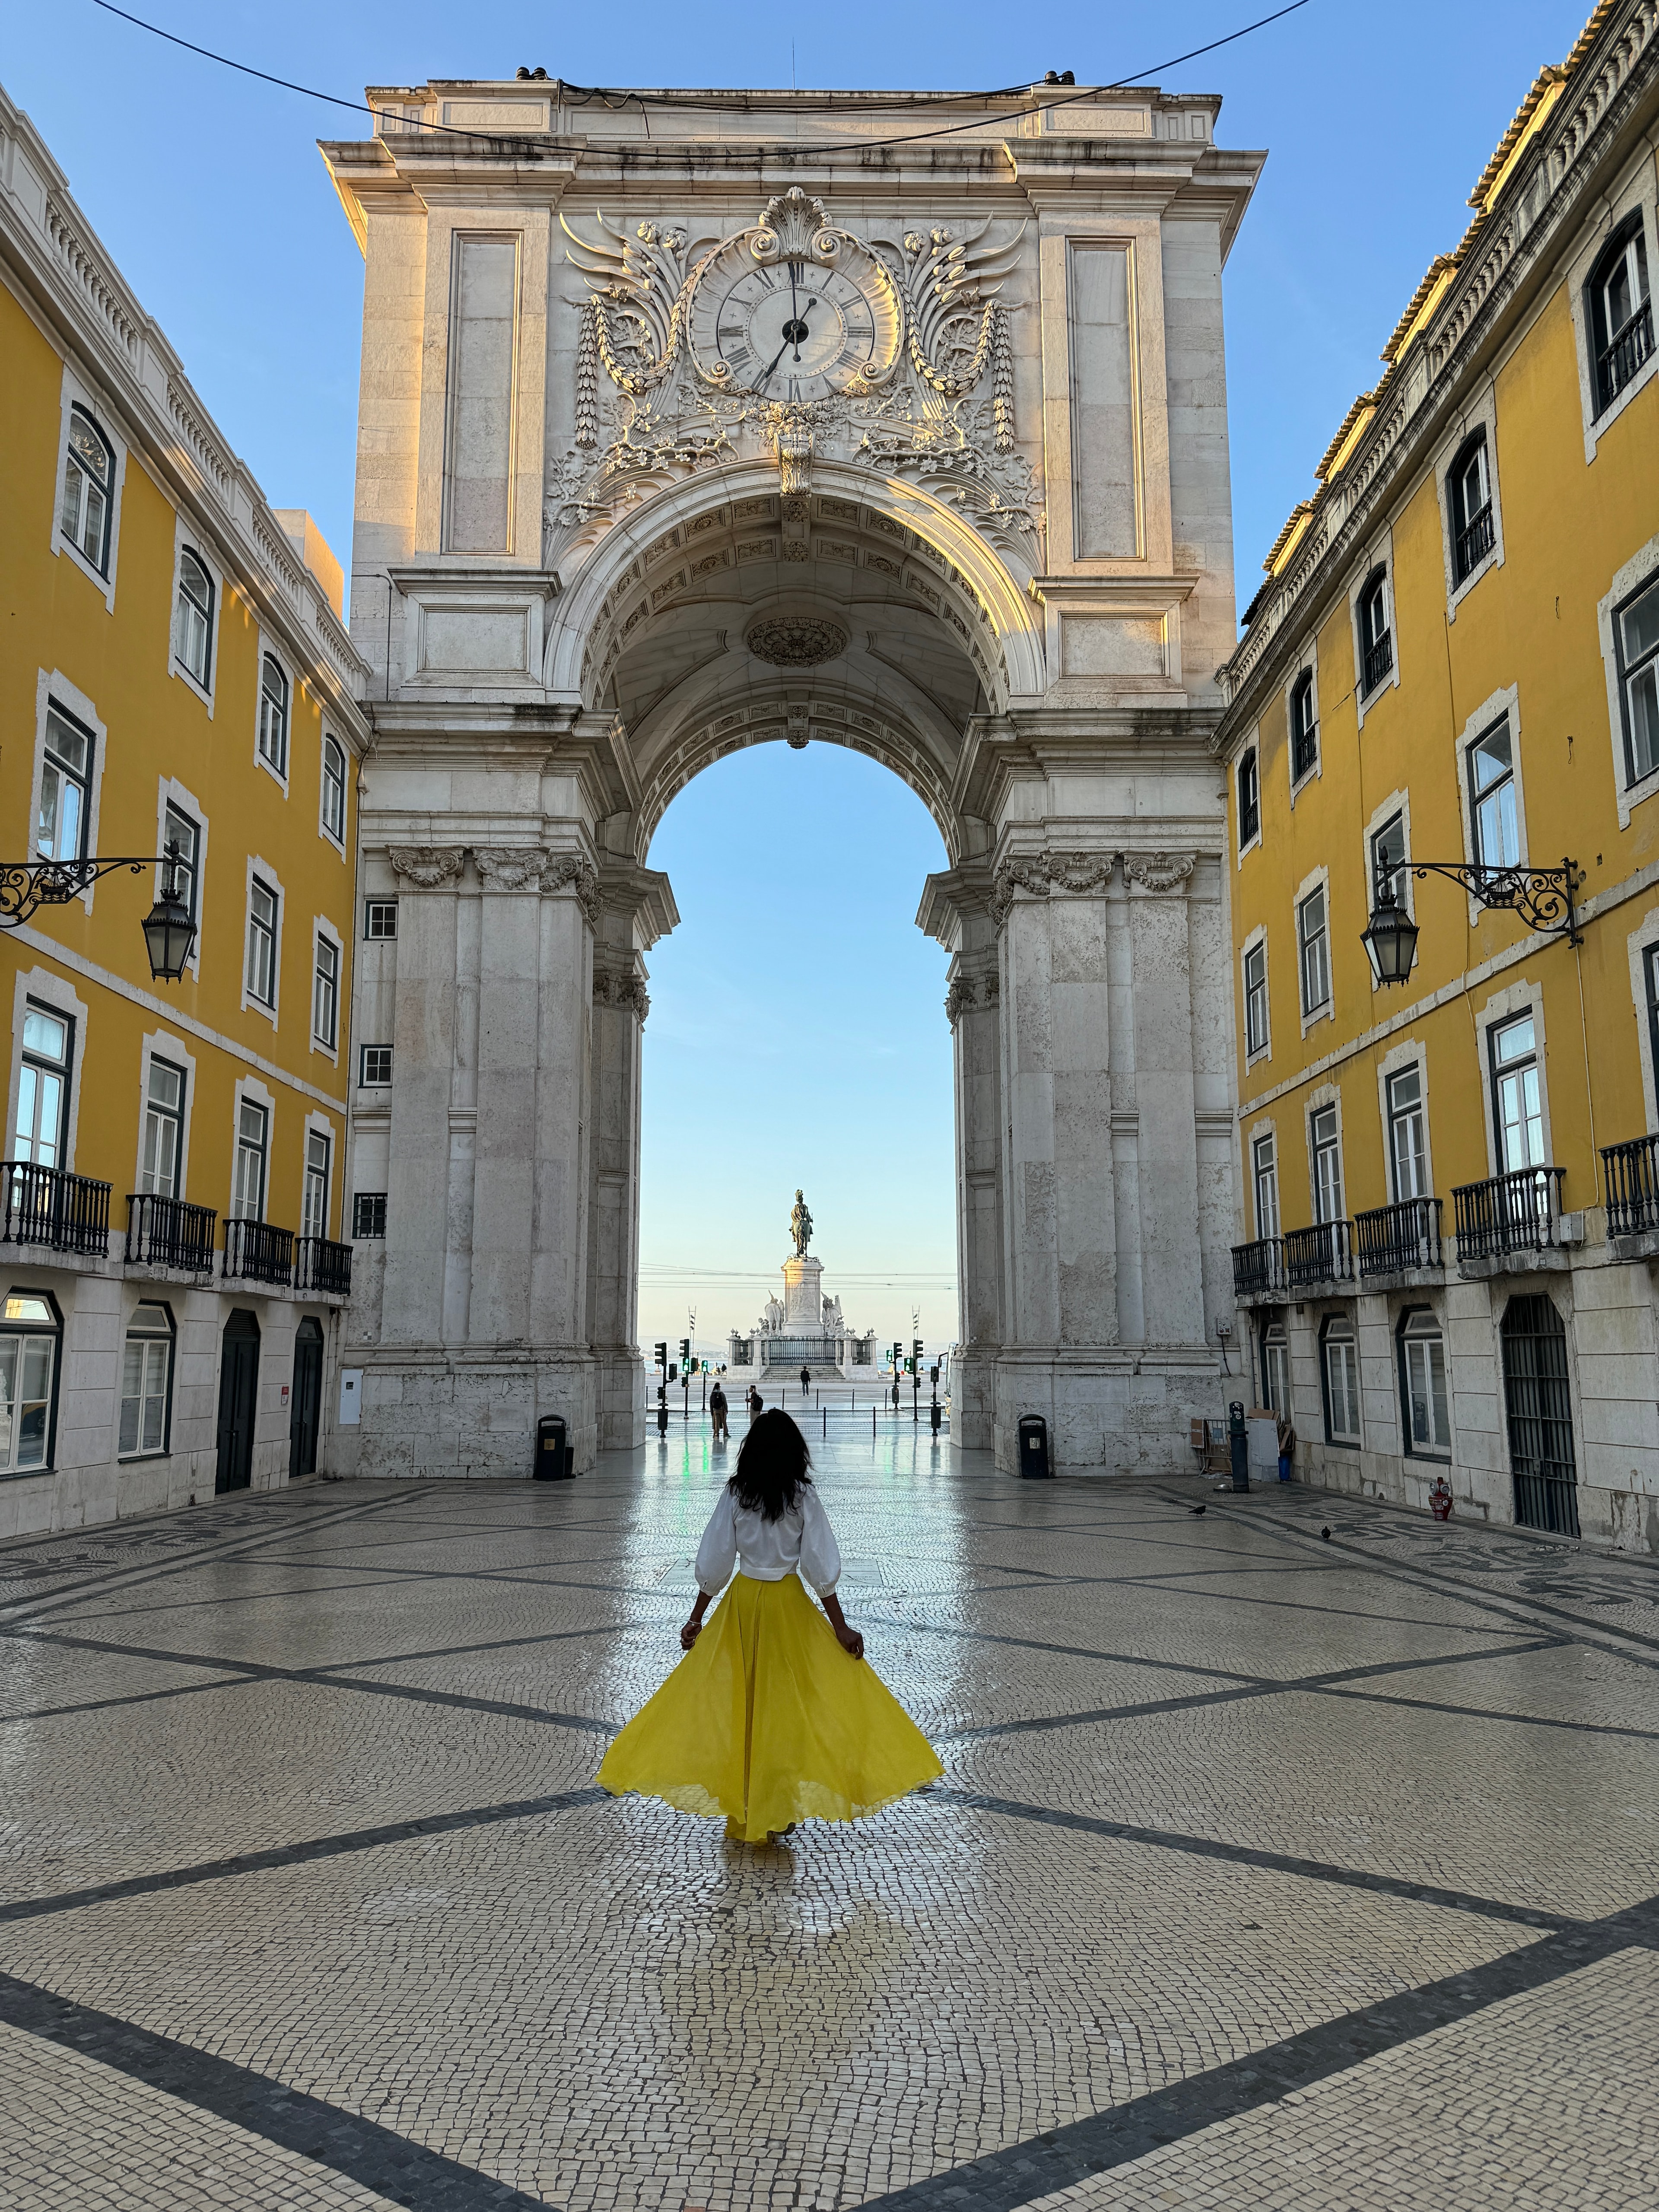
[
  {"x": 771, "y": 365},
  {"x": 801, "y": 326}
]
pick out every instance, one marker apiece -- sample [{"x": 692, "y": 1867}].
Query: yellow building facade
[
  {"x": 1449, "y": 1201},
  {"x": 173, "y": 1249}
]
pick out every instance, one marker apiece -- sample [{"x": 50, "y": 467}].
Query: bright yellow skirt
[{"x": 767, "y": 1720}]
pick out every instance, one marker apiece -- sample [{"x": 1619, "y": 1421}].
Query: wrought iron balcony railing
[
  {"x": 168, "y": 1232},
  {"x": 1259, "y": 1268},
  {"x": 1474, "y": 542},
  {"x": 1516, "y": 1213},
  {"x": 1390, "y": 1239},
  {"x": 50, "y": 1206},
  {"x": 1379, "y": 660},
  {"x": 323, "y": 1266},
  {"x": 1633, "y": 1175},
  {"x": 1324, "y": 1254},
  {"x": 257, "y": 1253},
  {"x": 1619, "y": 360}
]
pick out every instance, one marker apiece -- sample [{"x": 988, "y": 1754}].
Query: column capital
[
  {"x": 428, "y": 868},
  {"x": 619, "y": 981}
]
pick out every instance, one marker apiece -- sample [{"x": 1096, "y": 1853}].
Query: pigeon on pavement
[{"x": 1325, "y": 1533}]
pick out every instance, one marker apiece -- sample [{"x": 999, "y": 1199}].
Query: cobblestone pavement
[{"x": 1270, "y": 1869}]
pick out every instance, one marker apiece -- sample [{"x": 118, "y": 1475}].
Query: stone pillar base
[
  {"x": 453, "y": 1411},
  {"x": 1111, "y": 1411}
]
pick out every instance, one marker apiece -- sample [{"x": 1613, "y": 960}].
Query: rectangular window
[
  {"x": 376, "y": 1065},
  {"x": 252, "y": 1144},
  {"x": 1517, "y": 1099},
  {"x": 146, "y": 1380},
  {"x": 1342, "y": 1362},
  {"x": 179, "y": 829},
  {"x": 1312, "y": 937},
  {"x": 1408, "y": 1150},
  {"x": 1264, "y": 1162},
  {"x": 60, "y": 833},
  {"x": 1256, "y": 999},
  {"x": 28, "y": 1358},
  {"x": 325, "y": 992},
  {"x": 274, "y": 692},
  {"x": 164, "y": 1131},
  {"x": 1651, "y": 973},
  {"x": 1492, "y": 799},
  {"x": 193, "y": 617},
  {"x": 1388, "y": 859},
  {"x": 379, "y": 919},
  {"x": 1327, "y": 1149},
  {"x": 1423, "y": 1385},
  {"x": 368, "y": 1213},
  {"x": 1276, "y": 1368},
  {"x": 334, "y": 789},
  {"x": 262, "y": 942},
  {"x": 1249, "y": 800},
  {"x": 41, "y": 1135},
  {"x": 313, "y": 1207},
  {"x": 1304, "y": 729},
  {"x": 1635, "y": 632}
]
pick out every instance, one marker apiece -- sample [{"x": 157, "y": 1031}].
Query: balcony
[
  {"x": 1314, "y": 1257},
  {"x": 1506, "y": 1214},
  {"x": 1379, "y": 660},
  {"x": 324, "y": 1265},
  {"x": 1398, "y": 1240},
  {"x": 1474, "y": 543},
  {"x": 166, "y": 1232},
  {"x": 1259, "y": 1268},
  {"x": 49, "y": 1206},
  {"x": 257, "y": 1253},
  {"x": 1617, "y": 363},
  {"x": 1631, "y": 1173}
]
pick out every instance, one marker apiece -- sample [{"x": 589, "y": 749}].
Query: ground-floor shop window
[
  {"x": 1339, "y": 1356},
  {"x": 29, "y": 1334},
  {"x": 1423, "y": 1385},
  {"x": 146, "y": 1381}
]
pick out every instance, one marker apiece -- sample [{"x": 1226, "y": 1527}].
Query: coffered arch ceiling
[{"x": 861, "y": 612}]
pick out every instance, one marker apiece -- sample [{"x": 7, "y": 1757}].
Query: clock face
[{"x": 792, "y": 330}]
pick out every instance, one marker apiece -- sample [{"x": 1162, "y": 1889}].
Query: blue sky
[{"x": 796, "y": 1035}]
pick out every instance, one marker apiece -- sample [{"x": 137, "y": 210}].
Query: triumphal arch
[{"x": 697, "y": 420}]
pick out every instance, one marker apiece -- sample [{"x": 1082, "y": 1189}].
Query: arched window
[
  {"x": 273, "y": 714},
  {"x": 88, "y": 489},
  {"x": 192, "y": 618},
  {"x": 1468, "y": 489},
  {"x": 1619, "y": 312},
  {"x": 1422, "y": 1392},
  {"x": 1305, "y": 729},
  {"x": 31, "y": 1332},
  {"x": 334, "y": 788},
  {"x": 1375, "y": 633},
  {"x": 1250, "y": 799}
]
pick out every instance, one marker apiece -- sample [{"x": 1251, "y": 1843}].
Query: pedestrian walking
[
  {"x": 805, "y": 1380},
  {"x": 756, "y": 1401},
  {"x": 773, "y": 1716},
  {"x": 717, "y": 1414}
]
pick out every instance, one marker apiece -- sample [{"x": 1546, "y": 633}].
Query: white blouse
[{"x": 800, "y": 1541}]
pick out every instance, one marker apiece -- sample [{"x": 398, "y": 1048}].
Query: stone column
[
  {"x": 1172, "y": 1265},
  {"x": 419, "y": 1192}
]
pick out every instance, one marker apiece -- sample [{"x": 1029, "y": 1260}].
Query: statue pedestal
[{"x": 803, "y": 1294}]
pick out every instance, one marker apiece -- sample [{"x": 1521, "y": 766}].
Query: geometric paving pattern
[{"x": 1268, "y": 1870}]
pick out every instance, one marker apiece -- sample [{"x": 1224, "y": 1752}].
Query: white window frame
[
  {"x": 279, "y": 777},
  {"x": 1502, "y": 703},
  {"x": 370, "y": 899},
  {"x": 76, "y": 394},
  {"x": 1241, "y": 844},
  {"x": 148, "y": 1336},
  {"x": 272, "y": 882},
  {"x": 1256, "y": 940},
  {"x": 1479, "y": 413},
  {"x": 1341, "y": 1319},
  {"x": 1307, "y": 665},
  {"x": 1636, "y": 190},
  {"x": 54, "y": 1330},
  {"x": 1326, "y": 1095},
  {"x": 1408, "y": 1053},
  {"x": 323, "y": 932},
  {"x": 53, "y": 991},
  {"x": 1436, "y": 1453},
  {"x": 1319, "y": 880},
  {"x": 325, "y": 738},
  {"x": 162, "y": 1044},
  {"x": 1628, "y": 580},
  {"x": 1645, "y": 933},
  {"x": 1379, "y": 554},
  {"x": 254, "y": 1092},
  {"x": 185, "y": 540},
  {"x": 52, "y": 689},
  {"x": 1399, "y": 802},
  {"x": 170, "y": 792},
  {"x": 1523, "y": 997},
  {"x": 1258, "y": 1133},
  {"x": 364, "y": 1083},
  {"x": 318, "y": 1125}
]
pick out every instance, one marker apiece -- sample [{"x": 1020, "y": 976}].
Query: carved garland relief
[
  {"x": 1038, "y": 874},
  {"x": 500, "y": 868}
]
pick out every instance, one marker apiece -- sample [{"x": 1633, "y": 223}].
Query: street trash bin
[
  {"x": 1033, "y": 1448},
  {"x": 554, "y": 1456}
]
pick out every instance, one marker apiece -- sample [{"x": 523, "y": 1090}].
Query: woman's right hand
[
  {"x": 690, "y": 1632},
  {"x": 850, "y": 1641}
]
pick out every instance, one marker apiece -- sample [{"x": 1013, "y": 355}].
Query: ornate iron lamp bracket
[
  {"x": 25, "y": 885},
  {"x": 1544, "y": 898}
]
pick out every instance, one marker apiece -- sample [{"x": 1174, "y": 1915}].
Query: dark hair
[{"x": 772, "y": 1463}]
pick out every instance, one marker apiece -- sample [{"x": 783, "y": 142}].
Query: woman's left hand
[
  {"x": 690, "y": 1632},
  {"x": 850, "y": 1641}
]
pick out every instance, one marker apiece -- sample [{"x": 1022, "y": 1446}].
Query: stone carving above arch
[
  {"x": 796, "y": 641},
  {"x": 429, "y": 867}
]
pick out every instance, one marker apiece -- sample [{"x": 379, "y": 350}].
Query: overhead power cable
[{"x": 580, "y": 94}]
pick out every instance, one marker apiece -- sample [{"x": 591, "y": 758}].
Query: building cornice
[
  {"x": 1510, "y": 257},
  {"x": 69, "y": 283}
]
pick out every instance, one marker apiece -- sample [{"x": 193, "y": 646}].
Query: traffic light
[
  {"x": 898, "y": 1355},
  {"x": 674, "y": 1372},
  {"x": 915, "y": 1354},
  {"x": 662, "y": 1354}
]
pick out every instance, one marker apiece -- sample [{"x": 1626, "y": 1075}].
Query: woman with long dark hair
[{"x": 773, "y": 1718}]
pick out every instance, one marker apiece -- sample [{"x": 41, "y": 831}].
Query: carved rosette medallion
[
  {"x": 796, "y": 641},
  {"x": 429, "y": 867}
]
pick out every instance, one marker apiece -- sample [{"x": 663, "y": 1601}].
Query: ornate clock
[{"x": 795, "y": 311}]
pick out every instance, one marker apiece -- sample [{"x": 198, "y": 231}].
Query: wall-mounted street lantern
[
  {"x": 1543, "y": 898},
  {"x": 169, "y": 933}
]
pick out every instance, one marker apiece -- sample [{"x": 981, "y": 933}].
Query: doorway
[
  {"x": 239, "y": 1398},
  {"x": 306, "y": 1405},
  {"x": 1538, "y": 1402}
]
